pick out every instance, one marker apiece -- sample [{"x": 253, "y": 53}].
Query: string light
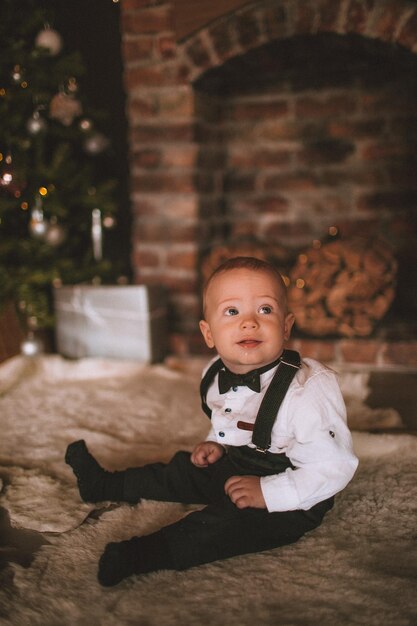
[
  {"x": 86, "y": 124},
  {"x": 16, "y": 74},
  {"x": 43, "y": 191},
  {"x": 108, "y": 221}
]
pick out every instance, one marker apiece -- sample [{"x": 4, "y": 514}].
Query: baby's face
[{"x": 245, "y": 319}]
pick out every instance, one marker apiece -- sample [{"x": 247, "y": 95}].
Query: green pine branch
[{"x": 51, "y": 169}]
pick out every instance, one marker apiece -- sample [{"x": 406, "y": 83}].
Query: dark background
[{"x": 92, "y": 28}]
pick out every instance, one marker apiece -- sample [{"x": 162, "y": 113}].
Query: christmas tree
[{"x": 56, "y": 195}]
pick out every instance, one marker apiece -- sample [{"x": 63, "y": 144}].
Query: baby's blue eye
[
  {"x": 231, "y": 311},
  {"x": 265, "y": 309}
]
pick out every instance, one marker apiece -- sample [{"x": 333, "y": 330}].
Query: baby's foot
[
  {"x": 90, "y": 475},
  {"x": 116, "y": 563},
  {"x": 138, "y": 555}
]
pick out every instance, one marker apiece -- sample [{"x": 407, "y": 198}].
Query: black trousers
[{"x": 220, "y": 530}]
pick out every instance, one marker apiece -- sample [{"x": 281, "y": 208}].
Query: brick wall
[
  {"x": 272, "y": 123},
  {"x": 289, "y": 164}
]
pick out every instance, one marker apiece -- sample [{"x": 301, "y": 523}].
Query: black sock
[
  {"x": 94, "y": 483},
  {"x": 139, "y": 555}
]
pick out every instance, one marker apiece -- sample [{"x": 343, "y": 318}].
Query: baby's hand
[
  {"x": 206, "y": 453},
  {"x": 245, "y": 491}
]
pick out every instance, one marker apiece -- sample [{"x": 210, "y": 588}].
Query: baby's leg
[
  {"x": 139, "y": 555},
  {"x": 95, "y": 484},
  {"x": 176, "y": 481},
  {"x": 216, "y": 532}
]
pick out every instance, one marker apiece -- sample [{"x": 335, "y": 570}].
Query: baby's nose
[{"x": 249, "y": 322}]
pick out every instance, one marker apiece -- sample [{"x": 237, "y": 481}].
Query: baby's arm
[
  {"x": 206, "y": 452},
  {"x": 320, "y": 448}
]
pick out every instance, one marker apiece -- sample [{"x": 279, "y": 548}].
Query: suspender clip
[{"x": 262, "y": 450}]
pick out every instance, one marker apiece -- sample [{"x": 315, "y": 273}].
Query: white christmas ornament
[
  {"x": 55, "y": 234},
  {"x": 96, "y": 143},
  {"x": 49, "y": 39},
  {"x": 38, "y": 225},
  {"x": 36, "y": 124},
  {"x": 31, "y": 346}
]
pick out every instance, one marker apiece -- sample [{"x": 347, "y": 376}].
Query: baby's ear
[
  {"x": 206, "y": 332},
  {"x": 288, "y": 324}
]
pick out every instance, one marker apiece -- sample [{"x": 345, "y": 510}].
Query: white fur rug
[{"x": 359, "y": 567}]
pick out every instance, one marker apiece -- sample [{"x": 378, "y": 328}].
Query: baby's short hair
[{"x": 248, "y": 263}]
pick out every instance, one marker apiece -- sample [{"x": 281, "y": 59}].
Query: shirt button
[
  {"x": 221, "y": 434},
  {"x": 235, "y": 388},
  {"x": 228, "y": 410},
  {"x": 331, "y": 433}
]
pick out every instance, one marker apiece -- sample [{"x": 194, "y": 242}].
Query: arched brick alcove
[{"x": 227, "y": 141}]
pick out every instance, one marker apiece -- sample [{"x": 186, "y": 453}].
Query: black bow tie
[
  {"x": 251, "y": 379},
  {"x": 227, "y": 380}
]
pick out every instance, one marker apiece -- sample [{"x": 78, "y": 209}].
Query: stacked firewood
[{"x": 343, "y": 287}]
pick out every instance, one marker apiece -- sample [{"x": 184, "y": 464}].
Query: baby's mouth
[{"x": 249, "y": 343}]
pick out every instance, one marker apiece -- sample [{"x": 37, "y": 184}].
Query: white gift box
[{"x": 124, "y": 322}]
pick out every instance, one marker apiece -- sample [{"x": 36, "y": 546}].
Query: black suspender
[
  {"x": 274, "y": 395},
  {"x": 206, "y": 383},
  {"x": 289, "y": 364}
]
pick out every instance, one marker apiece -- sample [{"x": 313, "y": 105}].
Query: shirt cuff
[{"x": 279, "y": 492}]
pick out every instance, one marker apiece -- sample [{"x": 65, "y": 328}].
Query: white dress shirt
[{"x": 310, "y": 429}]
